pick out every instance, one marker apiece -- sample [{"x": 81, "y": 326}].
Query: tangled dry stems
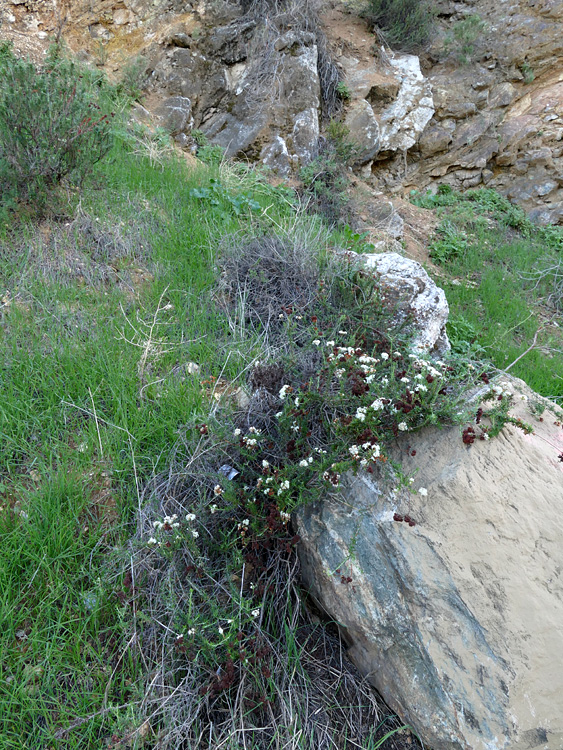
[
  {"x": 274, "y": 18},
  {"x": 304, "y": 693}
]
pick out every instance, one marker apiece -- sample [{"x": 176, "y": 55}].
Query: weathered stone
[
  {"x": 434, "y": 139},
  {"x": 364, "y": 130},
  {"x": 305, "y": 135},
  {"x": 276, "y": 156},
  {"x": 455, "y": 619},
  {"x": 403, "y": 121},
  {"x": 175, "y": 114},
  {"x": 229, "y": 43},
  {"x": 412, "y": 295}
]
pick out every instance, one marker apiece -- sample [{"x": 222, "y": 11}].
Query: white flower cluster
[
  {"x": 251, "y": 442},
  {"x": 366, "y": 364},
  {"x": 306, "y": 461},
  {"x": 361, "y": 412},
  {"x": 167, "y": 523},
  {"x": 365, "y": 453},
  {"x": 285, "y": 389}
]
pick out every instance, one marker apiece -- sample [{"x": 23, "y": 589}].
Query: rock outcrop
[
  {"x": 412, "y": 297},
  {"x": 260, "y": 85},
  {"x": 455, "y": 616}
]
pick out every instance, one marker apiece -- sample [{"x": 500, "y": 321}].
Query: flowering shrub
[{"x": 216, "y": 547}]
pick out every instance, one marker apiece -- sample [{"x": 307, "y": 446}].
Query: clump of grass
[
  {"x": 464, "y": 34},
  {"x": 405, "y": 24}
]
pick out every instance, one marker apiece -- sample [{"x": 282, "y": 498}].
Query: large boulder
[
  {"x": 412, "y": 297},
  {"x": 452, "y": 598}
]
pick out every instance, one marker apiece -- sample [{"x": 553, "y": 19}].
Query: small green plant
[
  {"x": 528, "y": 72},
  {"x": 463, "y": 36},
  {"x": 217, "y": 195},
  {"x": 406, "y": 24},
  {"x": 52, "y": 127},
  {"x": 356, "y": 241},
  {"x": 448, "y": 244},
  {"x": 133, "y": 78},
  {"x": 207, "y": 152},
  {"x": 343, "y": 91}
]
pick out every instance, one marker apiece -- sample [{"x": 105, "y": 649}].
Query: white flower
[
  {"x": 310, "y": 459},
  {"x": 421, "y": 388},
  {"x": 378, "y": 405},
  {"x": 296, "y": 402},
  {"x": 213, "y": 509},
  {"x": 353, "y": 450},
  {"x": 343, "y": 333},
  {"x": 422, "y": 491},
  {"x": 384, "y": 355},
  {"x": 217, "y": 490},
  {"x": 236, "y": 433},
  {"x": 255, "y": 613},
  {"x": 278, "y": 414},
  {"x": 157, "y": 524},
  {"x": 221, "y": 631},
  {"x": 339, "y": 372},
  {"x": 486, "y": 436},
  {"x": 316, "y": 342},
  {"x": 190, "y": 517},
  {"x": 191, "y": 631},
  {"x": 330, "y": 343},
  {"x": 195, "y": 533},
  {"x": 284, "y": 390},
  {"x": 405, "y": 380},
  {"x": 152, "y": 541},
  {"x": 265, "y": 464},
  {"x": 295, "y": 427},
  {"x": 376, "y": 452},
  {"x": 303, "y": 462},
  {"x": 403, "y": 426},
  {"x": 254, "y": 431},
  {"x": 284, "y": 516},
  {"x": 384, "y": 381},
  {"x": 361, "y": 413}
]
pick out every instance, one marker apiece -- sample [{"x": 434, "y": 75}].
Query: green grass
[
  {"x": 490, "y": 253},
  {"x": 84, "y": 420}
]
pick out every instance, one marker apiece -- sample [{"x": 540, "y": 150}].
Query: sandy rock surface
[{"x": 455, "y": 618}]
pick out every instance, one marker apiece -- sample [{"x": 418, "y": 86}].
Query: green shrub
[
  {"x": 52, "y": 127},
  {"x": 406, "y": 24}
]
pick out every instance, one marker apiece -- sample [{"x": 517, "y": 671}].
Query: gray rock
[
  {"x": 276, "y": 156},
  {"x": 364, "y": 130},
  {"x": 455, "y": 619},
  {"x": 175, "y": 114},
  {"x": 412, "y": 295},
  {"x": 305, "y": 135}
]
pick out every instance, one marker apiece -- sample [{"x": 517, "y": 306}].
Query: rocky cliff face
[{"x": 259, "y": 78}]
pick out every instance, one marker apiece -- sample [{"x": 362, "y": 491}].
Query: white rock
[
  {"x": 412, "y": 294},
  {"x": 404, "y": 120}
]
